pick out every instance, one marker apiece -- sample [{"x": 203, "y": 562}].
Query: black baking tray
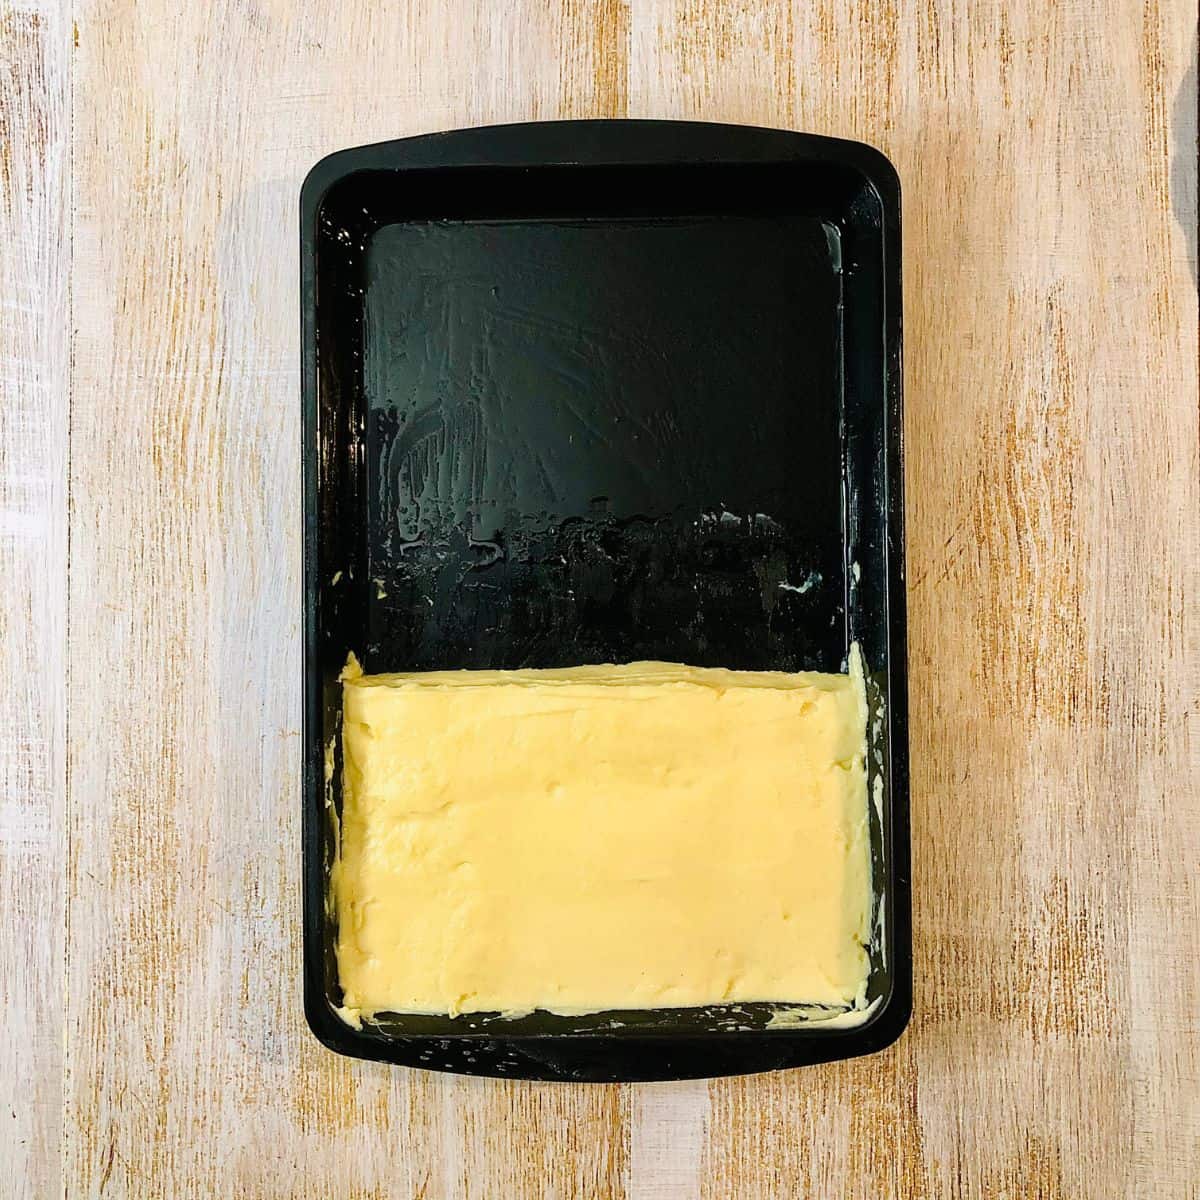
[{"x": 595, "y": 391}]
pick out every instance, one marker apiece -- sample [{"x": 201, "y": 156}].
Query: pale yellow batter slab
[{"x": 638, "y": 836}]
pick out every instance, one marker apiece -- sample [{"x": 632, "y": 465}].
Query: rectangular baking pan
[{"x": 598, "y": 391}]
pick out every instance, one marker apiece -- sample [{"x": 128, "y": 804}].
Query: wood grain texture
[
  {"x": 34, "y": 243},
  {"x": 1048, "y": 155}
]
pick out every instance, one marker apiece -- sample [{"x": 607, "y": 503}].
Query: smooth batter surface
[{"x": 638, "y": 836}]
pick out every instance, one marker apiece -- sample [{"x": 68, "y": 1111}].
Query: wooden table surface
[{"x": 151, "y": 1037}]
